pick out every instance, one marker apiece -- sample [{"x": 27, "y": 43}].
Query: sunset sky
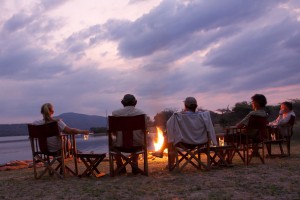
[{"x": 83, "y": 56}]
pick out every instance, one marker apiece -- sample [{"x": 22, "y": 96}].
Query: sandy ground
[{"x": 279, "y": 178}]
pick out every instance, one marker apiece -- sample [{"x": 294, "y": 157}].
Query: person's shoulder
[
  {"x": 38, "y": 122},
  {"x": 262, "y": 113},
  {"x": 117, "y": 112},
  {"x": 292, "y": 113},
  {"x": 139, "y": 111}
]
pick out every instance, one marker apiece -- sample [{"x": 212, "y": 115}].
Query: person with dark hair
[
  {"x": 259, "y": 103},
  {"x": 285, "y": 114},
  {"x": 190, "y": 105},
  {"x": 54, "y": 144},
  {"x": 129, "y": 102}
]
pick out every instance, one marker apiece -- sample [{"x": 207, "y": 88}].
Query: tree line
[{"x": 226, "y": 116}]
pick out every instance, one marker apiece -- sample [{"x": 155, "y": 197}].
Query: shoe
[{"x": 158, "y": 154}]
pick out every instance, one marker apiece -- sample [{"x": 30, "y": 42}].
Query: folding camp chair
[
  {"x": 54, "y": 162},
  {"x": 185, "y": 154},
  {"x": 254, "y": 146},
  {"x": 123, "y": 129},
  {"x": 275, "y": 137},
  {"x": 234, "y": 138},
  {"x": 194, "y": 141}
]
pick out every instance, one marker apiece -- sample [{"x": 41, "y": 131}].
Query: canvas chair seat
[
  {"x": 125, "y": 127},
  {"x": 54, "y": 162}
]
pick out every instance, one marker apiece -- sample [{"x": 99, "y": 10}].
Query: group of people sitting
[{"x": 129, "y": 102}]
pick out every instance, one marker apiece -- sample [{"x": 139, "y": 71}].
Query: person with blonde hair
[{"x": 47, "y": 110}]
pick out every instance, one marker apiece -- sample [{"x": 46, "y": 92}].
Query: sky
[{"x": 84, "y": 56}]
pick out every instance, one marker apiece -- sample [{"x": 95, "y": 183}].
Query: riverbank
[{"x": 279, "y": 178}]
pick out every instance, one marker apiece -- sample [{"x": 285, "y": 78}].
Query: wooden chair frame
[
  {"x": 91, "y": 162},
  {"x": 280, "y": 140},
  {"x": 259, "y": 124},
  {"x": 233, "y": 138},
  {"x": 221, "y": 156},
  {"x": 243, "y": 145},
  {"x": 38, "y": 135},
  {"x": 188, "y": 154},
  {"x": 126, "y": 125}
]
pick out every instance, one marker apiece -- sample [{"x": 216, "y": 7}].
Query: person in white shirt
[
  {"x": 129, "y": 102},
  {"x": 285, "y": 114},
  {"x": 54, "y": 144},
  {"x": 190, "y": 131}
]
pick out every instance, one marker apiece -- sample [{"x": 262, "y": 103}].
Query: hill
[
  {"x": 74, "y": 120},
  {"x": 82, "y": 121}
]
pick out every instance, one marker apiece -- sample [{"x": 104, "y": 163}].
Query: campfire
[{"x": 158, "y": 142}]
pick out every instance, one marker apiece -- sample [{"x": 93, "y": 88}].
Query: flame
[{"x": 159, "y": 140}]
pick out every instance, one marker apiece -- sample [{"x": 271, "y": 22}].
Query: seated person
[
  {"x": 190, "y": 105},
  {"x": 259, "y": 103},
  {"x": 129, "y": 102},
  {"x": 54, "y": 143},
  {"x": 285, "y": 114}
]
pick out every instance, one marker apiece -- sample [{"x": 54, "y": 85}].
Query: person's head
[
  {"x": 47, "y": 111},
  {"x": 286, "y": 107},
  {"x": 129, "y": 100},
  {"x": 259, "y": 101},
  {"x": 190, "y": 104}
]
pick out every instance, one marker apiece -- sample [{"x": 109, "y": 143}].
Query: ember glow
[{"x": 159, "y": 140}]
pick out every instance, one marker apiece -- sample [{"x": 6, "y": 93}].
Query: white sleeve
[
  {"x": 61, "y": 125},
  {"x": 284, "y": 120}
]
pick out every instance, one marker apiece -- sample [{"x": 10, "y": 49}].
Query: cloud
[
  {"x": 172, "y": 21},
  {"x": 207, "y": 49}
]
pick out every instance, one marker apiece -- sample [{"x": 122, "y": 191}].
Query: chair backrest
[
  {"x": 126, "y": 125},
  {"x": 42, "y": 132},
  {"x": 188, "y": 128},
  {"x": 291, "y": 122},
  {"x": 258, "y": 123},
  {"x": 290, "y": 125}
]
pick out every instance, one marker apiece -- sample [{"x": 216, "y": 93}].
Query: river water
[{"x": 18, "y": 147}]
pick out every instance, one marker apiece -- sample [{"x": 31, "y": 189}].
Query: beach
[{"x": 278, "y": 178}]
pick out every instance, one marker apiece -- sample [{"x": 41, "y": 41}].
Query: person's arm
[
  {"x": 69, "y": 130},
  {"x": 244, "y": 121}
]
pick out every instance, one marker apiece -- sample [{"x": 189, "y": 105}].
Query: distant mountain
[
  {"x": 82, "y": 121},
  {"x": 74, "y": 120}
]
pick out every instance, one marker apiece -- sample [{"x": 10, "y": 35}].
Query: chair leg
[
  {"x": 34, "y": 167},
  {"x": 288, "y": 144},
  {"x": 281, "y": 149},
  {"x": 269, "y": 149},
  {"x": 146, "y": 162},
  {"x": 111, "y": 165},
  {"x": 208, "y": 159}
]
